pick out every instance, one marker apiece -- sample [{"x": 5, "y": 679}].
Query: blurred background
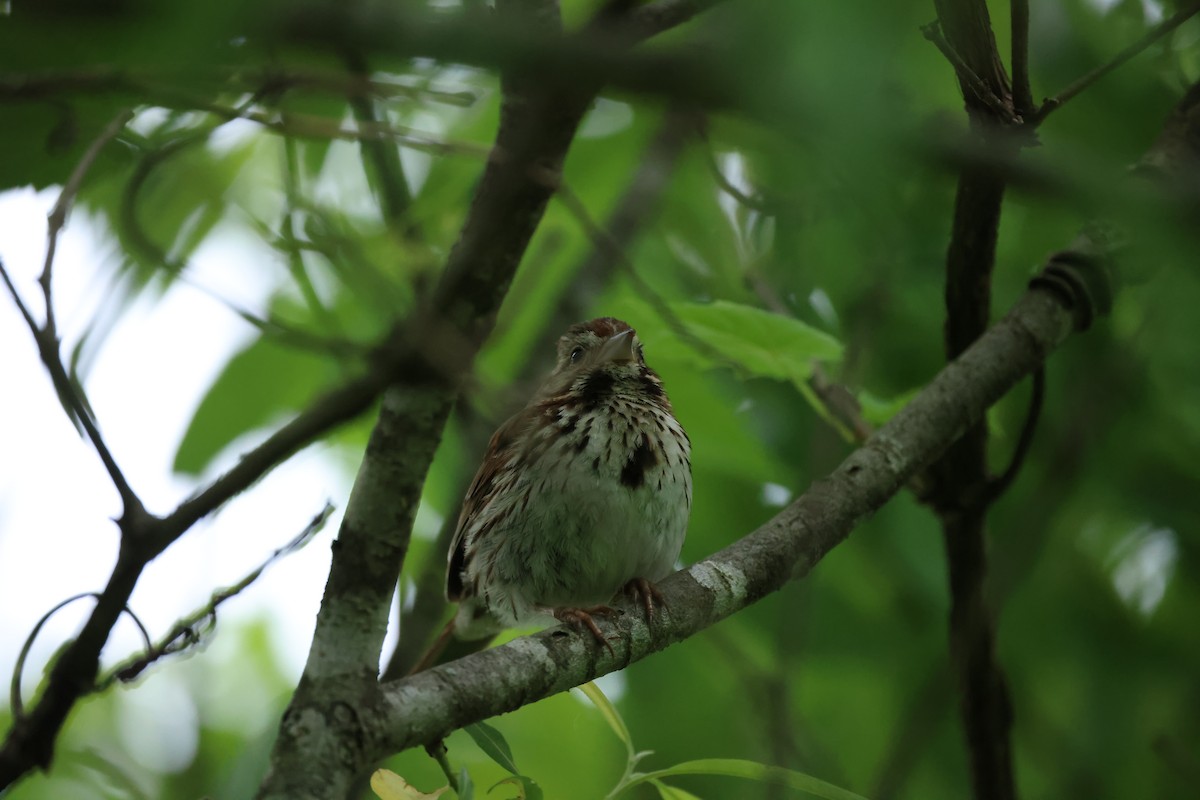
[{"x": 234, "y": 251}]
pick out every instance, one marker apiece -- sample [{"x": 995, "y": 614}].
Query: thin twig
[
  {"x": 933, "y": 32},
  {"x": 57, "y": 218},
  {"x": 70, "y": 394},
  {"x": 185, "y": 633},
  {"x": 42, "y": 85},
  {"x": 999, "y": 485},
  {"x": 1022, "y": 93},
  {"x": 754, "y": 203},
  {"x": 1052, "y": 104},
  {"x": 601, "y": 238},
  {"x": 14, "y": 698},
  {"x": 840, "y": 404}
]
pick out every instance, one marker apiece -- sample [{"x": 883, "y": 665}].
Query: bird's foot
[
  {"x": 582, "y": 618},
  {"x": 640, "y": 589}
]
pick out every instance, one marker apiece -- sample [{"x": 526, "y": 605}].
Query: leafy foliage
[{"x": 837, "y": 261}]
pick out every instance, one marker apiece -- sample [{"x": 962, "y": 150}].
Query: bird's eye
[{"x": 575, "y": 354}]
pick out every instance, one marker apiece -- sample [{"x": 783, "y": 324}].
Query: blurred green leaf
[
  {"x": 466, "y": 788},
  {"x": 751, "y": 770},
  {"x": 263, "y": 382},
  {"x": 672, "y": 792}
]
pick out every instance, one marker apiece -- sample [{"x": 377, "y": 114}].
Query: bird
[{"x": 582, "y": 495}]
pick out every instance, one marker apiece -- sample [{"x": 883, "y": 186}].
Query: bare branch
[
  {"x": 1051, "y": 104},
  {"x": 69, "y": 392},
  {"x": 975, "y": 88},
  {"x": 659, "y": 16},
  {"x": 1022, "y": 93},
  {"x": 961, "y": 472},
  {"x": 14, "y": 698}
]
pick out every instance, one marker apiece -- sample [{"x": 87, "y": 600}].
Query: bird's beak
[{"x": 618, "y": 348}]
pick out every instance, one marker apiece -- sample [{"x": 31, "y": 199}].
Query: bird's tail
[{"x": 447, "y": 647}]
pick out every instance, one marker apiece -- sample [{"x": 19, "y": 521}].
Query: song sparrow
[{"x": 582, "y": 494}]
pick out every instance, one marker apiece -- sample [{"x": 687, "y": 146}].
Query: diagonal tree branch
[
  {"x": 1051, "y": 104},
  {"x": 425, "y": 707}
]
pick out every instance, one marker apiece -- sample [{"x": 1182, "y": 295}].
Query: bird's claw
[
  {"x": 582, "y": 617},
  {"x": 645, "y": 591}
]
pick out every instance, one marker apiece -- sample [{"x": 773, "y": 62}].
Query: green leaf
[
  {"x": 751, "y": 770},
  {"x": 672, "y": 792},
  {"x": 608, "y": 711},
  {"x": 493, "y": 743},
  {"x": 258, "y": 385},
  {"x": 764, "y": 344},
  {"x": 466, "y": 787}
]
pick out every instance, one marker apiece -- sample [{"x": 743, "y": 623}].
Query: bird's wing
[{"x": 499, "y": 452}]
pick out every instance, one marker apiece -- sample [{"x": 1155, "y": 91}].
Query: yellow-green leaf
[{"x": 390, "y": 786}]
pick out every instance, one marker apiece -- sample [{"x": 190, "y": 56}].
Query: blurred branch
[
  {"x": 1022, "y": 93},
  {"x": 598, "y": 54},
  {"x": 601, "y": 240},
  {"x": 423, "y": 708},
  {"x": 170, "y": 92},
  {"x": 756, "y": 203},
  {"x": 978, "y": 91},
  {"x": 368, "y": 132},
  {"x": 659, "y": 16},
  {"x": 921, "y": 717},
  {"x": 999, "y": 485},
  {"x": 1051, "y": 104},
  {"x": 70, "y": 393},
  {"x": 960, "y": 477},
  {"x": 840, "y": 403}
]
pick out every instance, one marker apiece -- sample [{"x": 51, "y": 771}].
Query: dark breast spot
[
  {"x": 633, "y": 474},
  {"x": 649, "y": 384},
  {"x": 595, "y": 389}
]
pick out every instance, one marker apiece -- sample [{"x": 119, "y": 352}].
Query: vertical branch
[
  {"x": 961, "y": 477},
  {"x": 323, "y": 741},
  {"x": 1022, "y": 91}
]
